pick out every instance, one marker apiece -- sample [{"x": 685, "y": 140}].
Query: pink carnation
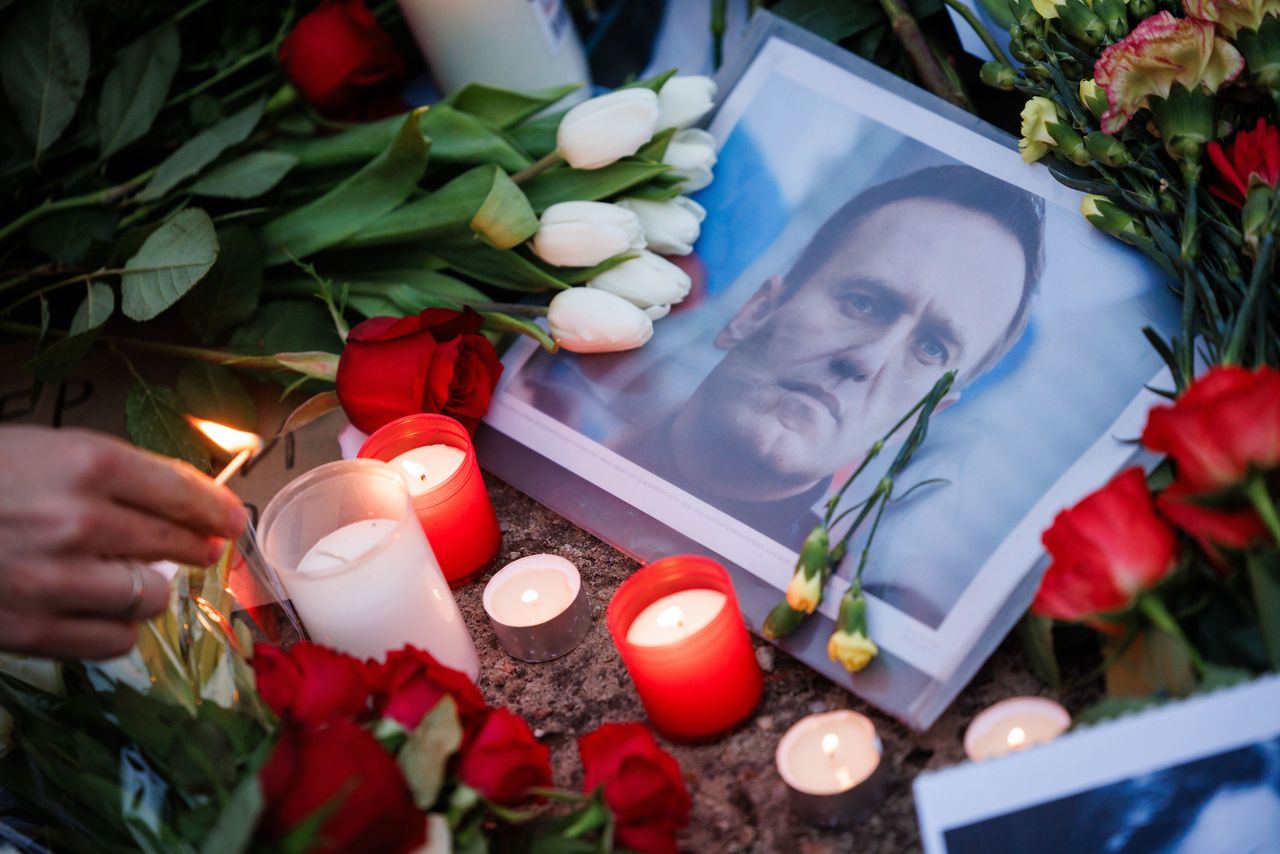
[{"x": 1232, "y": 16}]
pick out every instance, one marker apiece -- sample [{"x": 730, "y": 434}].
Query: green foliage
[
  {"x": 228, "y": 294},
  {"x": 427, "y": 751},
  {"x": 56, "y": 361},
  {"x": 502, "y": 107},
  {"x": 154, "y": 420},
  {"x": 287, "y": 326},
  {"x": 201, "y": 150},
  {"x": 135, "y": 88},
  {"x": 376, "y": 189},
  {"x": 213, "y": 392},
  {"x": 508, "y": 270},
  {"x": 563, "y": 184},
  {"x": 171, "y": 260},
  {"x": 71, "y": 238},
  {"x": 44, "y": 65},
  {"x": 246, "y": 177}
]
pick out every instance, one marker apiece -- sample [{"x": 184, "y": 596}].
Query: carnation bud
[
  {"x": 782, "y": 621},
  {"x": 583, "y": 234},
  {"x": 585, "y": 320},
  {"x": 691, "y": 154},
  {"x": 683, "y": 100},
  {"x": 1107, "y": 149},
  {"x": 998, "y": 75},
  {"x": 602, "y": 130},
  {"x": 1185, "y": 121},
  {"x": 1082, "y": 24},
  {"x": 1069, "y": 143},
  {"x": 804, "y": 592},
  {"x": 645, "y": 281},
  {"x": 1261, "y": 51},
  {"x": 1114, "y": 17},
  {"x": 1093, "y": 97},
  {"x": 1107, "y": 216},
  {"x": 1140, "y": 10},
  {"x": 670, "y": 227}
]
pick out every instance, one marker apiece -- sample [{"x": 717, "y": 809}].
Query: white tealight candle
[
  {"x": 675, "y": 617},
  {"x": 427, "y": 467},
  {"x": 1014, "y": 724},
  {"x": 537, "y": 607},
  {"x": 831, "y": 763}
]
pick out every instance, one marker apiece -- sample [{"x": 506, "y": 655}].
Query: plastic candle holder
[
  {"x": 456, "y": 514},
  {"x": 538, "y": 607},
  {"x": 831, "y": 763},
  {"x": 350, "y": 553},
  {"x": 702, "y": 682}
]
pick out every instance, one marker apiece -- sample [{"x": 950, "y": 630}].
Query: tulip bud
[
  {"x": 670, "y": 227},
  {"x": 583, "y": 234},
  {"x": 1093, "y": 97},
  {"x": 998, "y": 75},
  {"x": 598, "y": 132},
  {"x": 1107, "y": 149},
  {"x": 682, "y": 101},
  {"x": 584, "y": 320},
  {"x": 645, "y": 281},
  {"x": 691, "y": 154}
]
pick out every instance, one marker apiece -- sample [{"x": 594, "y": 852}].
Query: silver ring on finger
[{"x": 135, "y": 594}]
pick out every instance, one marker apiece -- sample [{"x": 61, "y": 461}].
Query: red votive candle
[
  {"x": 435, "y": 454},
  {"x": 677, "y": 625}
]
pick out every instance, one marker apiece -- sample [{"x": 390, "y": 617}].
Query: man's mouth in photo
[{"x": 816, "y": 393}]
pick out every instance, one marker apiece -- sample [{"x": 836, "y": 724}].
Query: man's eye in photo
[
  {"x": 934, "y": 351},
  {"x": 862, "y": 305}
]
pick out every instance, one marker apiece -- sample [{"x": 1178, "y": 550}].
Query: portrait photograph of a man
[{"x": 857, "y": 250}]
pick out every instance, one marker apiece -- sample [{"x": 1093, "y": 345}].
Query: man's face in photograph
[{"x": 817, "y": 371}]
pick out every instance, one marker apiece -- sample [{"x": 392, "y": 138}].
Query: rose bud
[
  {"x": 602, "y": 130},
  {"x": 691, "y": 154},
  {"x": 584, "y": 320},
  {"x": 682, "y": 101},
  {"x": 646, "y": 281},
  {"x": 670, "y": 227},
  {"x": 583, "y": 234}
]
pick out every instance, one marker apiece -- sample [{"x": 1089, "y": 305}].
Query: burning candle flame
[
  {"x": 529, "y": 596},
  {"x": 671, "y": 617},
  {"x": 1017, "y": 737},
  {"x": 830, "y": 744},
  {"x": 231, "y": 440},
  {"x": 414, "y": 470}
]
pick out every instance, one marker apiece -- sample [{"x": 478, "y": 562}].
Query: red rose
[
  {"x": 343, "y": 62},
  {"x": 1213, "y": 528},
  {"x": 435, "y": 361},
  {"x": 642, "y": 785},
  {"x": 503, "y": 760},
  {"x": 310, "y": 684},
  {"x": 1222, "y": 428},
  {"x": 1105, "y": 551},
  {"x": 343, "y": 768},
  {"x": 411, "y": 682},
  {"x": 1251, "y": 159}
]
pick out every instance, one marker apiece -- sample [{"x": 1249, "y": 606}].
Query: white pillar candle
[
  {"x": 1014, "y": 724},
  {"x": 429, "y": 466},
  {"x": 357, "y": 568},
  {"x": 515, "y": 44},
  {"x": 675, "y": 617}
]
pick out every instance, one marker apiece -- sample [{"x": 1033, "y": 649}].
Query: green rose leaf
[
  {"x": 56, "y": 361},
  {"x": 213, "y": 392},
  {"x": 397, "y": 293},
  {"x": 563, "y": 184},
  {"x": 44, "y": 63},
  {"x": 501, "y": 267},
  {"x": 503, "y": 107},
  {"x": 153, "y": 415},
  {"x": 246, "y": 177},
  {"x": 425, "y": 755},
  {"x": 376, "y": 189},
  {"x": 135, "y": 88},
  {"x": 229, "y": 294},
  {"x": 169, "y": 263},
  {"x": 201, "y": 150},
  {"x": 287, "y": 326}
]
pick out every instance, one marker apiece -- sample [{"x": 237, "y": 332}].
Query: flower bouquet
[
  {"x": 205, "y": 740},
  {"x": 249, "y": 187}
]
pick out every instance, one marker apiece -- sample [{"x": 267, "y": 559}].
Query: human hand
[{"x": 79, "y": 513}]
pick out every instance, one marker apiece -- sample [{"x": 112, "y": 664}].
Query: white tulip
[
  {"x": 670, "y": 227},
  {"x": 599, "y": 131},
  {"x": 583, "y": 234},
  {"x": 691, "y": 155},
  {"x": 584, "y": 320},
  {"x": 682, "y": 101},
  {"x": 645, "y": 281},
  {"x": 657, "y": 312}
]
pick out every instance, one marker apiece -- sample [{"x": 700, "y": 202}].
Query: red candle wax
[
  {"x": 456, "y": 514},
  {"x": 706, "y": 679}
]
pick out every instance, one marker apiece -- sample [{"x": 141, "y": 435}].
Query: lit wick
[
  {"x": 241, "y": 444},
  {"x": 671, "y": 618},
  {"x": 1017, "y": 737},
  {"x": 415, "y": 470},
  {"x": 830, "y": 744},
  {"x": 530, "y": 597}
]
